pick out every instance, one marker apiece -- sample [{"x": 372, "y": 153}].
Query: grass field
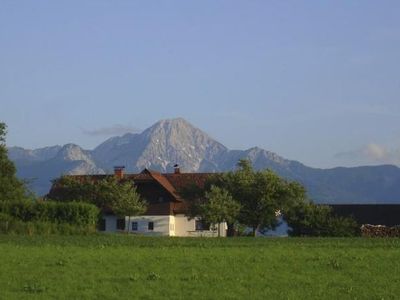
[{"x": 122, "y": 267}]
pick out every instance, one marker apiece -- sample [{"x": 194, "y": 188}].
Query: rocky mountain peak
[
  {"x": 177, "y": 141},
  {"x": 256, "y": 152},
  {"x": 79, "y": 161},
  {"x": 72, "y": 152}
]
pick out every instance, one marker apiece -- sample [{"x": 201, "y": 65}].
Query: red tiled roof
[
  {"x": 181, "y": 180},
  {"x": 160, "y": 178},
  {"x": 171, "y": 182}
]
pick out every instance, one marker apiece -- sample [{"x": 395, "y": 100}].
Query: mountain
[
  {"x": 160, "y": 147},
  {"x": 177, "y": 141},
  {"x": 69, "y": 159},
  {"x": 18, "y": 153}
]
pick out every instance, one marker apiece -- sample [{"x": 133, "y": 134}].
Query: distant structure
[
  {"x": 374, "y": 214},
  {"x": 167, "y": 211}
]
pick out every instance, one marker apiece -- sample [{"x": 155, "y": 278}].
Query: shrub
[
  {"x": 13, "y": 226},
  {"x": 74, "y": 213},
  {"x": 5, "y": 222},
  {"x": 308, "y": 219}
]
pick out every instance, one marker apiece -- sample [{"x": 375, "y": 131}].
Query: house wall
[
  {"x": 178, "y": 225},
  {"x": 163, "y": 225},
  {"x": 183, "y": 225},
  {"x": 186, "y": 227}
]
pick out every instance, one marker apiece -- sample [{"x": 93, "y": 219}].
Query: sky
[{"x": 314, "y": 81}]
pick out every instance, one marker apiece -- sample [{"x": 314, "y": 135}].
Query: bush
[
  {"x": 308, "y": 219},
  {"x": 73, "y": 213},
  {"x": 10, "y": 225},
  {"x": 5, "y": 222}
]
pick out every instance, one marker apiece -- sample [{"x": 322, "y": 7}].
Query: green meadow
[{"x": 134, "y": 267}]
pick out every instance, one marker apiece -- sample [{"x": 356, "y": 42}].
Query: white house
[{"x": 166, "y": 214}]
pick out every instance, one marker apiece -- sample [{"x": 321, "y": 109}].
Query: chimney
[
  {"x": 177, "y": 170},
  {"x": 119, "y": 172}
]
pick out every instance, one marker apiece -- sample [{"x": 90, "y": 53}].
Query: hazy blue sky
[{"x": 315, "y": 81}]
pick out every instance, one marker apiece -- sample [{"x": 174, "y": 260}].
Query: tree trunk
[
  {"x": 255, "y": 229},
  {"x": 219, "y": 229},
  {"x": 129, "y": 223},
  {"x": 231, "y": 230}
]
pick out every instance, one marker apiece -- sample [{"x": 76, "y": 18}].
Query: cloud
[
  {"x": 375, "y": 152},
  {"x": 371, "y": 154},
  {"x": 116, "y": 129}
]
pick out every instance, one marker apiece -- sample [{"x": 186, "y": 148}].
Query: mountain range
[{"x": 177, "y": 141}]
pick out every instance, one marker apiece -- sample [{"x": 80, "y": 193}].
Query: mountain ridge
[{"x": 172, "y": 141}]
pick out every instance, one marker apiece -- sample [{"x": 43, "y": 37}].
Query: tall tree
[
  {"x": 125, "y": 200},
  {"x": 261, "y": 194},
  {"x": 67, "y": 188},
  {"x": 218, "y": 206},
  {"x": 11, "y": 188}
]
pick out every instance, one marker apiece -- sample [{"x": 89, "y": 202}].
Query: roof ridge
[
  {"x": 164, "y": 182},
  {"x": 149, "y": 171}
]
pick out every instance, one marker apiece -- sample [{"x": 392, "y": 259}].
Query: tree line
[{"x": 260, "y": 200}]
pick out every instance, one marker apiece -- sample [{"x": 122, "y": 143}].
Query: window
[
  {"x": 201, "y": 225},
  {"x": 120, "y": 224},
  {"x": 150, "y": 226},
  {"x": 102, "y": 225},
  {"x": 134, "y": 226}
]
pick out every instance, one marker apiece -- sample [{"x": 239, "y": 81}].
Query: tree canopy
[
  {"x": 109, "y": 192},
  {"x": 11, "y": 188},
  {"x": 309, "y": 219},
  {"x": 260, "y": 195},
  {"x": 216, "y": 207},
  {"x": 126, "y": 201}
]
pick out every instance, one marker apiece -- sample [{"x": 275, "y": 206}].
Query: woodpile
[{"x": 368, "y": 230}]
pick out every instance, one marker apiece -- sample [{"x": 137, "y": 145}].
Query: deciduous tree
[
  {"x": 125, "y": 200},
  {"x": 309, "y": 219},
  {"x": 261, "y": 194},
  {"x": 11, "y": 188},
  {"x": 108, "y": 193},
  {"x": 218, "y": 206}
]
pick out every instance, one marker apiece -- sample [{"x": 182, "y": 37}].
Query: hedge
[
  {"x": 10, "y": 225},
  {"x": 74, "y": 213},
  {"x": 318, "y": 220}
]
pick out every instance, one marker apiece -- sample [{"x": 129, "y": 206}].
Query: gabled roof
[
  {"x": 178, "y": 181},
  {"x": 160, "y": 178},
  {"x": 171, "y": 182}
]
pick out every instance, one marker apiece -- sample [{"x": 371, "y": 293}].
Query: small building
[
  {"x": 374, "y": 214},
  {"x": 166, "y": 213}
]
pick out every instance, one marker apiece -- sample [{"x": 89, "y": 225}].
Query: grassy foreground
[{"x": 122, "y": 267}]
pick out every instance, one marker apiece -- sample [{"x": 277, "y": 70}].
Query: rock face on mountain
[
  {"x": 160, "y": 147},
  {"x": 176, "y": 141}
]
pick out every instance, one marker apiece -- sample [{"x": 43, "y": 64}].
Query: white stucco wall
[
  {"x": 186, "y": 227},
  {"x": 178, "y": 225},
  {"x": 183, "y": 225},
  {"x": 163, "y": 225}
]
